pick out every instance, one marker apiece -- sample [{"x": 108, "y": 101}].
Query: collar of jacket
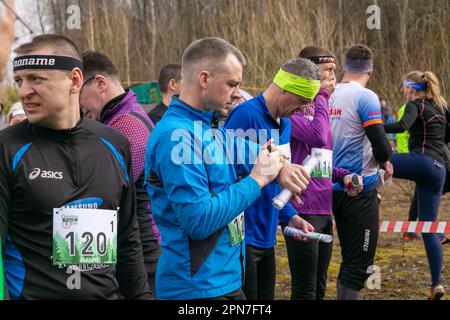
[
  {"x": 194, "y": 114},
  {"x": 59, "y": 135},
  {"x": 116, "y": 104},
  {"x": 283, "y": 120}
]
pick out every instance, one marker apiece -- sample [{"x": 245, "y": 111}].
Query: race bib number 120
[{"x": 84, "y": 236}]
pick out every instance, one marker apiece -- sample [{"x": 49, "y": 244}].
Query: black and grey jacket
[{"x": 42, "y": 169}]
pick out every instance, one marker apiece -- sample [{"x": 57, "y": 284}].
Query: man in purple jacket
[
  {"x": 103, "y": 98},
  {"x": 311, "y": 135}
]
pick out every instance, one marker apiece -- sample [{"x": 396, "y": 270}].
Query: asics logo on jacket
[{"x": 38, "y": 173}]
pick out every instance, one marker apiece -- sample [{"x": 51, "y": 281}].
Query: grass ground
[{"x": 404, "y": 266}]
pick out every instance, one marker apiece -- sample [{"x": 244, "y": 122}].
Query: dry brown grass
[{"x": 143, "y": 35}]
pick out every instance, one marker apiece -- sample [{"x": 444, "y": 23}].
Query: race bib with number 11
[
  {"x": 236, "y": 230},
  {"x": 324, "y": 168}
]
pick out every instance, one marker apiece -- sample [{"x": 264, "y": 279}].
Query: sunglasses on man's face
[
  {"x": 301, "y": 102},
  {"x": 90, "y": 79},
  {"x": 86, "y": 82}
]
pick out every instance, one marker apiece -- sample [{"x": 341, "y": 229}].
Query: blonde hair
[{"x": 433, "y": 90}]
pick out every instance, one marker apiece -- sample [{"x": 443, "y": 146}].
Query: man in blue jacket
[{"x": 200, "y": 181}]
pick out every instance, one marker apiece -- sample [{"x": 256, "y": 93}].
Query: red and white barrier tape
[{"x": 414, "y": 226}]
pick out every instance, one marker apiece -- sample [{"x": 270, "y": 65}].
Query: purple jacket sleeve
[
  {"x": 313, "y": 133},
  {"x": 339, "y": 174}
]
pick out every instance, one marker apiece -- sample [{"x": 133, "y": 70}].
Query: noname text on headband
[{"x": 46, "y": 62}]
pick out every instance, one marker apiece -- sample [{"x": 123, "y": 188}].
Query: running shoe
[{"x": 436, "y": 292}]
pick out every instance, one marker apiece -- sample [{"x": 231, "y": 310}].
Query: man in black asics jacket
[{"x": 60, "y": 172}]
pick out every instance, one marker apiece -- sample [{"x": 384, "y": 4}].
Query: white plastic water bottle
[
  {"x": 291, "y": 232},
  {"x": 353, "y": 185},
  {"x": 286, "y": 195}
]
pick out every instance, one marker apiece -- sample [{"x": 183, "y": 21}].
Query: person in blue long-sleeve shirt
[{"x": 198, "y": 187}]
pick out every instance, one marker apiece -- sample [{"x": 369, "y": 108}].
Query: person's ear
[
  {"x": 204, "y": 78},
  {"x": 77, "y": 80},
  {"x": 101, "y": 83},
  {"x": 177, "y": 86},
  {"x": 172, "y": 85}
]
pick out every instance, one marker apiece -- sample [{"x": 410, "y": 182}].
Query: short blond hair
[{"x": 208, "y": 53}]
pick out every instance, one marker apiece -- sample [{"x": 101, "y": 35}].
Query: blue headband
[
  {"x": 415, "y": 85},
  {"x": 358, "y": 65}
]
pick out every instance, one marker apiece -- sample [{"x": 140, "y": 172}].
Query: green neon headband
[{"x": 297, "y": 85}]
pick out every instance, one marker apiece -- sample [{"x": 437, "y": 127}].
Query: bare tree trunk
[
  {"x": 127, "y": 47},
  {"x": 91, "y": 27},
  {"x": 154, "y": 37},
  {"x": 109, "y": 29},
  {"x": 403, "y": 12},
  {"x": 40, "y": 15},
  {"x": 340, "y": 50}
]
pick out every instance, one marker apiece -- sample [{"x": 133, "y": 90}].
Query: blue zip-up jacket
[
  {"x": 261, "y": 218},
  {"x": 192, "y": 204}
]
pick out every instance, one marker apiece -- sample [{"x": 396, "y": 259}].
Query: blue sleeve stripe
[
  {"x": 14, "y": 270},
  {"x": 18, "y": 156},
  {"x": 118, "y": 156}
]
